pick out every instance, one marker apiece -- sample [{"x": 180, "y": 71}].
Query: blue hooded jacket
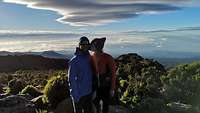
[{"x": 80, "y": 75}]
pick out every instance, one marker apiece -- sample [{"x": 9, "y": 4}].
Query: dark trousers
[
  {"x": 103, "y": 93},
  {"x": 84, "y": 105}
]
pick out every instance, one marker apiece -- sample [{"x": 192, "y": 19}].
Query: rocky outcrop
[
  {"x": 136, "y": 63},
  {"x": 138, "y": 78},
  {"x": 16, "y": 104},
  {"x": 3, "y": 95}
]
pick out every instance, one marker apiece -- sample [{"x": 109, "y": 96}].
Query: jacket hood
[{"x": 98, "y": 43}]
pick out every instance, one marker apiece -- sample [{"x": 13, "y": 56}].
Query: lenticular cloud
[{"x": 97, "y": 12}]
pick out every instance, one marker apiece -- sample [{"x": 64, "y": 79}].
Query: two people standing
[{"x": 91, "y": 73}]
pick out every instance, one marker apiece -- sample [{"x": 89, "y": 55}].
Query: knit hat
[{"x": 84, "y": 41}]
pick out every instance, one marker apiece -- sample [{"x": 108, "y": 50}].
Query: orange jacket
[{"x": 101, "y": 61}]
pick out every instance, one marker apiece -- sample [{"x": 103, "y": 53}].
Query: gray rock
[
  {"x": 179, "y": 106},
  {"x": 3, "y": 95},
  {"x": 16, "y": 104}
]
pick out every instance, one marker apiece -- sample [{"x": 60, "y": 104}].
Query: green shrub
[
  {"x": 182, "y": 84},
  {"x": 31, "y": 90},
  {"x": 57, "y": 89},
  {"x": 141, "y": 86},
  {"x": 151, "y": 105},
  {"x": 139, "y": 81},
  {"x": 15, "y": 86}
]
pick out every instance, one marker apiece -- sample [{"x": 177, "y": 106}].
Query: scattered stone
[{"x": 16, "y": 104}]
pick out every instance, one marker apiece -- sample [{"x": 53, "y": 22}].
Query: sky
[{"x": 129, "y": 25}]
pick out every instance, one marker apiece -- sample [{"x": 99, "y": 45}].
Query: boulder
[
  {"x": 180, "y": 107},
  {"x": 16, "y": 104},
  {"x": 3, "y": 95}
]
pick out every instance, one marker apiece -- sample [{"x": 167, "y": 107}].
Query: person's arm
[{"x": 72, "y": 78}]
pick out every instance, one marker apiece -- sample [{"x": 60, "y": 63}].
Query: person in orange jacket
[{"x": 105, "y": 68}]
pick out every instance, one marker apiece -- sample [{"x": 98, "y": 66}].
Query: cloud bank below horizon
[
  {"x": 181, "y": 39},
  {"x": 98, "y": 12}
]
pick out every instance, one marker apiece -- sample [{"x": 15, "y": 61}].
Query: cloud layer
[
  {"x": 182, "y": 39},
  {"x": 42, "y": 41},
  {"x": 197, "y": 28},
  {"x": 97, "y": 12}
]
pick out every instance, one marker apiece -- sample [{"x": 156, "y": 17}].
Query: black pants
[
  {"x": 84, "y": 105},
  {"x": 103, "y": 93}
]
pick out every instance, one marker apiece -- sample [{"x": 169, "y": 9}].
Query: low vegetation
[
  {"x": 57, "y": 89},
  {"x": 144, "y": 86}
]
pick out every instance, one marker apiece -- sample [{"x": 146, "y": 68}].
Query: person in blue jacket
[{"x": 80, "y": 78}]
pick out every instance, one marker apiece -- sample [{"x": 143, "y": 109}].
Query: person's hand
[{"x": 112, "y": 93}]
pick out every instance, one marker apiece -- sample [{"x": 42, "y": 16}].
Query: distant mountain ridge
[
  {"x": 47, "y": 54},
  {"x": 52, "y": 54},
  {"x": 31, "y": 62},
  {"x": 10, "y": 61},
  {"x": 151, "y": 54}
]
